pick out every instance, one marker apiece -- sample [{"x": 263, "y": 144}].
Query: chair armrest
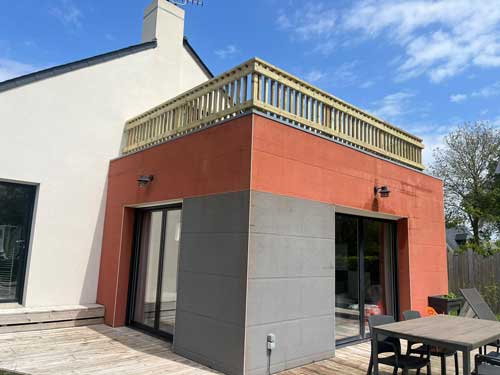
[
  {"x": 397, "y": 348},
  {"x": 412, "y": 344},
  {"x": 420, "y": 345}
]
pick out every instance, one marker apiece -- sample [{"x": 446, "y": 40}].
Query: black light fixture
[
  {"x": 383, "y": 190},
  {"x": 144, "y": 180}
]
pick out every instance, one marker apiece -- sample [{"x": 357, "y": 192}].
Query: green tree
[{"x": 466, "y": 163}]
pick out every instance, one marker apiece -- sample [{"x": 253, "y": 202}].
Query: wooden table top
[{"x": 444, "y": 330}]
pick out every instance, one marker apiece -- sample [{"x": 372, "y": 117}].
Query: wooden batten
[
  {"x": 257, "y": 85},
  {"x": 39, "y": 318}
]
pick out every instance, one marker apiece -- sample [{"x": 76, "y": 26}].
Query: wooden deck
[
  {"x": 96, "y": 349},
  {"x": 100, "y": 349},
  {"x": 353, "y": 360}
]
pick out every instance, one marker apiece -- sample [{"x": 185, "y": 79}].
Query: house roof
[
  {"x": 94, "y": 60},
  {"x": 456, "y": 233},
  {"x": 197, "y": 58}
]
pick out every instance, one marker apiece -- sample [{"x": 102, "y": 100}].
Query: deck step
[{"x": 21, "y": 319}]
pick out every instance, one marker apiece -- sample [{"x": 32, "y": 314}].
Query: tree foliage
[{"x": 466, "y": 163}]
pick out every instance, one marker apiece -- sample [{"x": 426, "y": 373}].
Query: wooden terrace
[
  {"x": 99, "y": 349},
  {"x": 257, "y": 86}
]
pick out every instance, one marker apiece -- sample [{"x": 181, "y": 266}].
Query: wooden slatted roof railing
[{"x": 257, "y": 85}]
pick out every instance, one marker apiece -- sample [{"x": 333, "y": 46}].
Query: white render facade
[{"x": 63, "y": 127}]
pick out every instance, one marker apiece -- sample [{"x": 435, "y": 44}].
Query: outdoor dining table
[{"x": 444, "y": 331}]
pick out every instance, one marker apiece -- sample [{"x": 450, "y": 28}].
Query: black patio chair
[
  {"x": 487, "y": 364},
  {"x": 423, "y": 349},
  {"x": 393, "y": 345},
  {"x": 481, "y": 310}
]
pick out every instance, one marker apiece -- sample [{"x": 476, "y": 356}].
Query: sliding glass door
[
  {"x": 154, "y": 270},
  {"x": 347, "y": 296},
  {"x": 16, "y": 211},
  {"x": 364, "y": 274}
]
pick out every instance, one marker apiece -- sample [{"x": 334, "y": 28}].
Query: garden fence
[{"x": 468, "y": 269}]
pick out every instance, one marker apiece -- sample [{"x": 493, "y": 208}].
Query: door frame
[
  {"x": 361, "y": 275},
  {"x": 23, "y": 262},
  {"x": 134, "y": 269}
]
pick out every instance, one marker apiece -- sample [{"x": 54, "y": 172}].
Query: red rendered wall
[
  {"x": 215, "y": 160},
  {"x": 290, "y": 162},
  {"x": 261, "y": 154}
]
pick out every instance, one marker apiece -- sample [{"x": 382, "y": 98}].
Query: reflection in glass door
[
  {"x": 147, "y": 275},
  {"x": 364, "y": 274},
  {"x": 168, "y": 295},
  {"x": 154, "y": 279},
  {"x": 16, "y": 210},
  {"x": 347, "y": 312},
  {"x": 379, "y": 271}
]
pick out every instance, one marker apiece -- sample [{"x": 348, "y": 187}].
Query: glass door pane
[
  {"x": 16, "y": 209},
  {"x": 347, "y": 312},
  {"x": 154, "y": 293},
  {"x": 378, "y": 260},
  {"x": 364, "y": 274},
  {"x": 147, "y": 275},
  {"x": 169, "y": 276}
]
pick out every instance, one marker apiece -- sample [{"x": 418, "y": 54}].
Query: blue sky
[{"x": 425, "y": 66}]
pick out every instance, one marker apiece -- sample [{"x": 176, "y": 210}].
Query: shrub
[{"x": 491, "y": 294}]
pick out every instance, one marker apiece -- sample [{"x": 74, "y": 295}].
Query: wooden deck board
[
  {"x": 353, "y": 360},
  {"x": 92, "y": 350},
  {"x": 19, "y": 319},
  {"x": 103, "y": 350}
]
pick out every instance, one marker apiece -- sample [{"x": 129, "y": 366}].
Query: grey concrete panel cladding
[
  {"x": 286, "y": 216},
  {"x": 231, "y": 255},
  {"x": 254, "y": 263},
  {"x": 297, "y": 342},
  {"x": 290, "y": 292},
  {"x": 315, "y": 256},
  {"x": 210, "y": 342},
  {"x": 210, "y": 318},
  {"x": 220, "y": 213}
]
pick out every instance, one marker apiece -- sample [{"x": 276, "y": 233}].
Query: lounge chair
[
  {"x": 432, "y": 350},
  {"x": 393, "y": 345},
  {"x": 481, "y": 309}
]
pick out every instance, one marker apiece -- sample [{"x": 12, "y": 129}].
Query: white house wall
[{"x": 60, "y": 133}]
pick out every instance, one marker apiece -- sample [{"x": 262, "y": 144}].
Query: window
[{"x": 16, "y": 211}]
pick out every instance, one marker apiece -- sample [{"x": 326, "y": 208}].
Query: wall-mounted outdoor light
[
  {"x": 144, "y": 180},
  {"x": 383, "y": 190}
]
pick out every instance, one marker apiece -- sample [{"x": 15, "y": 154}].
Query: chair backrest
[
  {"x": 478, "y": 304},
  {"x": 411, "y": 314},
  {"x": 378, "y": 320}
]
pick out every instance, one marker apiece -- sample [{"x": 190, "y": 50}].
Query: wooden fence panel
[{"x": 467, "y": 270}]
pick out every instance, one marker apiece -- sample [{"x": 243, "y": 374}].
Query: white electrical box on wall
[{"x": 271, "y": 341}]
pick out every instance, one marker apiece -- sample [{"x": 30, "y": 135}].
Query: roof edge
[
  {"x": 75, "y": 65},
  {"x": 197, "y": 58}
]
